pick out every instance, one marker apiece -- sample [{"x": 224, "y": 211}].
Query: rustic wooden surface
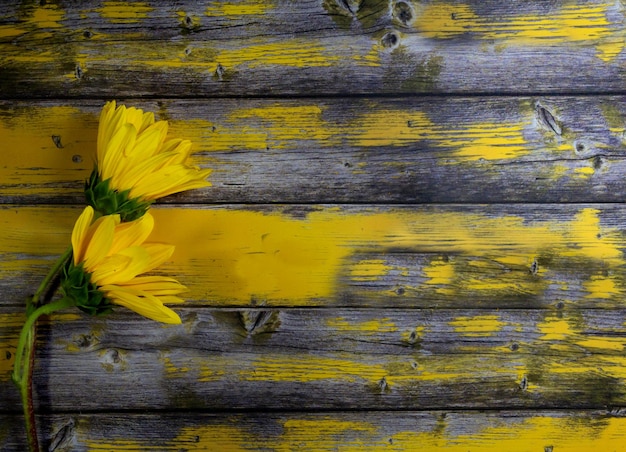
[{"x": 414, "y": 239}]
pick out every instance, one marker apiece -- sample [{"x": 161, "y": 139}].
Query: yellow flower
[
  {"x": 136, "y": 164},
  {"x": 108, "y": 258}
]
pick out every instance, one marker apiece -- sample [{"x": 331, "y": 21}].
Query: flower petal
[
  {"x": 156, "y": 285},
  {"x": 132, "y": 233},
  {"x": 81, "y": 228},
  {"x": 146, "y": 305},
  {"x": 105, "y": 119},
  {"x": 123, "y": 266},
  {"x": 123, "y": 137},
  {"x": 101, "y": 241},
  {"x": 159, "y": 253}
]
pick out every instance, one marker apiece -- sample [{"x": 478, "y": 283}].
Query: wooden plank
[
  {"x": 312, "y": 359},
  {"x": 494, "y": 256},
  {"x": 473, "y": 149},
  {"x": 457, "y": 431},
  {"x": 333, "y": 47},
  {"x": 490, "y": 256}
]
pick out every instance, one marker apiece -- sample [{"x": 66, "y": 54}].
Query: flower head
[
  {"x": 108, "y": 258},
  {"x": 136, "y": 164}
]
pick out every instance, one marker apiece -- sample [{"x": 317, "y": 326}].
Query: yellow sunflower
[
  {"x": 108, "y": 258},
  {"x": 137, "y": 164}
]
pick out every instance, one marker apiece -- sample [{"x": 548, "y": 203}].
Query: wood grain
[
  {"x": 428, "y": 150},
  {"x": 332, "y": 47},
  {"x": 457, "y": 431},
  {"x": 488, "y": 256},
  {"x": 342, "y": 359}
]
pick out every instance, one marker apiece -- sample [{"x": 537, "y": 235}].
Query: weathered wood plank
[
  {"x": 476, "y": 149},
  {"x": 332, "y": 47},
  {"x": 322, "y": 359},
  {"x": 457, "y": 431},
  {"x": 491, "y": 256}
]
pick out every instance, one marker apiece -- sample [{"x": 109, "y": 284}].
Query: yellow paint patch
[
  {"x": 472, "y": 142},
  {"x": 124, "y": 12},
  {"x": 243, "y": 256},
  {"x": 45, "y": 164},
  {"x": 606, "y": 343},
  {"x": 572, "y": 24},
  {"x": 48, "y": 16},
  {"x": 584, "y": 172},
  {"x": 368, "y": 328},
  {"x": 556, "y": 329},
  {"x": 478, "y": 326},
  {"x": 237, "y": 10},
  {"x": 369, "y": 270},
  {"x": 440, "y": 273},
  {"x": 534, "y": 434},
  {"x": 295, "y": 52},
  {"x": 303, "y": 368},
  {"x": 282, "y": 124},
  {"x": 603, "y": 287}
]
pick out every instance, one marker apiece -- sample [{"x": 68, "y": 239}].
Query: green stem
[
  {"x": 34, "y": 302},
  {"x": 24, "y": 357}
]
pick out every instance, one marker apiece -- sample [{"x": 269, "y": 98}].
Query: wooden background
[{"x": 414, "y": 239}]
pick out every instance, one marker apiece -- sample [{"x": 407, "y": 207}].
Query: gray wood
[
  {"x": 322, "y": 48},
  {"x": 312, "y": 431},
  {"x": 340, "y": 359},
  {"x": 426, "y": 150}
]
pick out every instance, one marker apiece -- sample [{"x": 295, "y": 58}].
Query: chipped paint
[
  {"x": 470, "y": 142},
  {"x": 368, "y": 328},
  {"x": 238, "y": 10},
  {"x": 303, "y": 368},
  {"x": 478, "y": 326},
  {"x": 369, "y": 270},
  {"x": 572, "y": 23},
  {"x": 124, "y": 12}
]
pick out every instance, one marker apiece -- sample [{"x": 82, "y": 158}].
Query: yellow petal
[
  {"x": 105, "y": 118},
  {"x": 100, "y": 242},
  {"x": 109, "y": 268},
  {"x": 132, "y": 233},
  {"x": 81, "y": 227},
  {"x": 173, "y": 179},
  {"x": 148, "y": 306},
  {"x": 159, "y": 253},
  {"x": 123, "y": 266},
  {"x": 146, "y": 121},
  {"x": 156, "y": 285},
  {"x": 115, "y": 149}
]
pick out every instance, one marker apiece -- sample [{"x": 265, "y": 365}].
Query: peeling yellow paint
[
  {"x": 295, "y": 52},
  {"x": 472, "y": 142},
  {"x": 284, "y": 124},
  {"x": 44, "y": 163},
  {"x": 478, "y": 326},
  {"x": 370, "y": 327},
  {"x": 124, "y": 12},
  {"x": 304, "y": 368},
  {"x": 369, "y": 270},
  {"x": 48, "y": 16},
  {"x": 441, "y": 273},
  {"x": 237, "y": 10},
  {"x": 584, "y": 172},
  {"x": 556, "y": 329},
  {"x": 570, "y": 24},
  {"x": 601, "y": 286}
]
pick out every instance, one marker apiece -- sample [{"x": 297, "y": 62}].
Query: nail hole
[
  {"x": 77, "y": 158},
  {"x": 400, "y": 291},
  {"x": 402, "y": 11},
  {"x": 87, "y": 34},
  {"x": 56, "y": 139},
  {"x": 514, "y": 347},
  {"x": 389, "y": 39}
]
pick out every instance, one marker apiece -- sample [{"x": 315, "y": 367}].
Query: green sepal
[
  {"x": 108, "y": 201},
  {"x": 76, "y": 284}
]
